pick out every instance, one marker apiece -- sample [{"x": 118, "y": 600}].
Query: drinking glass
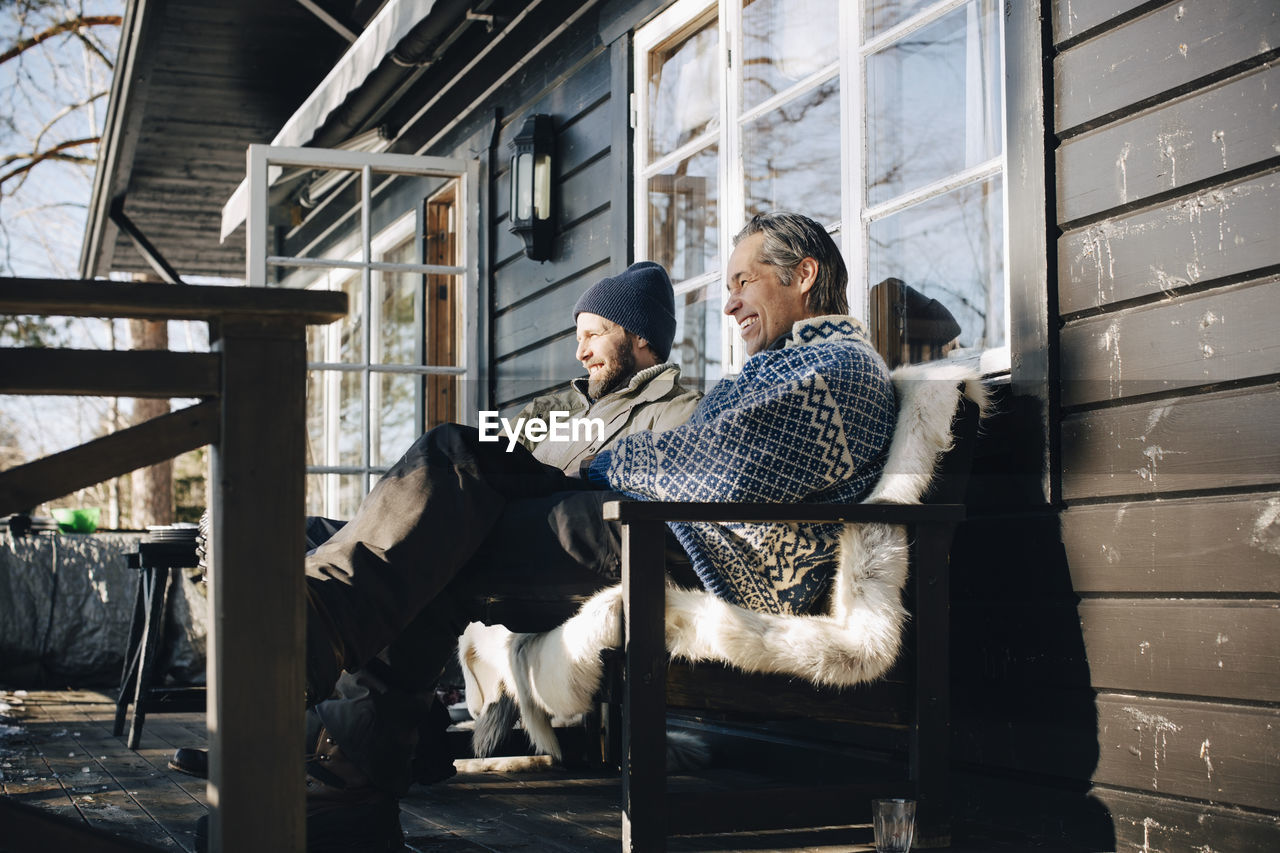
[{"x": 895, "y": 824}]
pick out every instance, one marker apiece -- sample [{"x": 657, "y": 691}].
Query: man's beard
[{"x": 614, "y": 376}]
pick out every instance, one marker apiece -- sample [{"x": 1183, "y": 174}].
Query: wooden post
[
  {"x": 644, "y": 704},
  {"x": 256, "y": 649},
  {"x": 931, "y": 728},
  {"x": 256, "y": 657}
]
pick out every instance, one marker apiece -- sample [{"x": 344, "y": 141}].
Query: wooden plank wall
[
  {"x": 1122, "y": 661},
  {"x": 532, "y": 319},
  {"x": 571, "y": 62}
]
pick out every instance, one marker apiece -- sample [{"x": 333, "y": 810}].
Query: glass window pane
[
  {"x": 315, "y": 494},
  {"x": 397, "y": 423},
  {"x": 316, "y": 337},
  {"x": 351, "y": 327},
  {"x": 351, "y": 418},
  {"x": 315, "y": 417},
  {"x": 351, "y": 491},
  {"x": 397, "y": 303},
  {"x": 950, "y": 248},
  {"x": 684, "y": 90},
  {"x": 881, "y": 15},
  {"x": 791, "y": 156},
  {"x": 783, "y": 42},
  {"x": 397, "y": 330},
  {"x": 698, "y": 334},
  {"x": 307, "y": 188},
  {"x": 315, "y": 279},
  {"x": 684, "y": 227},
  {"x": 933, "y": 103}
]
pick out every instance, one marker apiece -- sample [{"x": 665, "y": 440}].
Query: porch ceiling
[{"x": 195, "y": 83}]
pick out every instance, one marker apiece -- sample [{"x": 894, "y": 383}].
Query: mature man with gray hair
[{"x": 808, "y": 419}]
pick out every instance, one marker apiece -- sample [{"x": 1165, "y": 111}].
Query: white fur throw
[{"x": 557, "y": 673}]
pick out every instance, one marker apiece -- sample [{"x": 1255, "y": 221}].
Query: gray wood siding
[
  {"x": 1072, "y": 20},
  {"x": 1179, "y": 143},
  {"x": 1215, "y": 752},
  {"x": 1132, "y": 820},
  {"x": 1164, "y": 161},
  {"x": 1212, "y": 337},
  {"x": 536, "y": 371},
  {"x": 1172, "y": 826},
  {"x": 1172, "y": 446},
  {"x": 1185, "y": 546},
  {"x": 533, "y": 302},
  {"x": 1212, "y": 648},
  {"x": 1150, "y": 57},
  {"x": 1224, "y": 232}
]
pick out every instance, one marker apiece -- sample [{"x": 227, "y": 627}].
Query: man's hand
[
  {"x": 583, "y": 467},
  {"x": 596, "y": 469}
]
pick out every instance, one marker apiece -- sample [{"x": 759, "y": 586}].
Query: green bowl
[{"x": 77, "y": 520}]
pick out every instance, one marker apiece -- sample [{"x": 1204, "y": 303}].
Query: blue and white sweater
[{"x": 809, "y": 422}]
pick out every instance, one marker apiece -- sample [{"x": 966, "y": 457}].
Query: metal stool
[{"x": 161, "y": 552}]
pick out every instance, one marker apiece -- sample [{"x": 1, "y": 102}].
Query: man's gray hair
[{"x": 789, "y": 238}]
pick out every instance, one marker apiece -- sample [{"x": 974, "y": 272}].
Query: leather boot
[{"x": 345, "y": 812}]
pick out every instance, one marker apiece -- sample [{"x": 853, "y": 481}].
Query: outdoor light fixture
[{"x": 531, "y": 187}]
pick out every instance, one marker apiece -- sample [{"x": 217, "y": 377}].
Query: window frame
[
  {"x": 266, "y": 164},
  {"x": 851, "y": 231},
  {"x": 992, "y": 359},
  {"x": 677, "y": 20}
]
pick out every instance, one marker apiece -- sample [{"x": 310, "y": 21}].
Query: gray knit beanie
[{"x": 639, "y": 299}]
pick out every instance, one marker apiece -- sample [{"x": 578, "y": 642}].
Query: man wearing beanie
[
  {"x": 640, "y": 300},
  {"x": 808, "y": 419},
  {"x": 625, "y": 326},
  {"x": 456, "y": 514}
]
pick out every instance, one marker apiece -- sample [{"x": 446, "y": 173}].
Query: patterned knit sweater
[{"x": 809, "y": 422}]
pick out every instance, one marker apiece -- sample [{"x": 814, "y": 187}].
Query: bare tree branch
[
  {"x": 58, "y": 116},
  {"x": 94, "y": 48},
  {"x": 38, "y": 209},
  {"x": 54, "y": 153},
  {"x": 68, "y": 26}
]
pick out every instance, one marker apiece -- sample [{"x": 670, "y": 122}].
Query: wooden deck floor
[{"x": 57, "y": 752}]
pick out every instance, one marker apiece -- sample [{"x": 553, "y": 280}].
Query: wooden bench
[
  {"x": 912, "y": 701},
  {"x": 252, "y": 387}
]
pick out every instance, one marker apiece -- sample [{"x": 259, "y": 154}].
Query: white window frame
[
  {"x": 266, "y": 164},
  {"x": 852, "y": 231},
  {"x": 682, "y": 16},
  {"x": 854, "y": 63}
]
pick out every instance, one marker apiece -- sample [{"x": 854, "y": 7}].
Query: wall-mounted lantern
[{"x": 531, "y": 216}]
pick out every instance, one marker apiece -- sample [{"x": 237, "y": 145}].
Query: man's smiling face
[
  {"x": 758, "y": 301},
  {"x": 607, "y": 352}
]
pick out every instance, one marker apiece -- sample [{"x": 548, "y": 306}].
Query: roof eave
[{"x": 118, "y": 142}]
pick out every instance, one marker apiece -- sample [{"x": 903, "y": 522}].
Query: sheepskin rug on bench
[{"x": 555, "y": 674}]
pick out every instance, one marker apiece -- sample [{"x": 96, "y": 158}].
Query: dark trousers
[{"x": 399, "y": 582}]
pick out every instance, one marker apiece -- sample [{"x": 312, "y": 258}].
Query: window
[
  {"x": 385, "y": 230},
  {"x": 679, "y": 209},
  {"x": 882, "y": 120}
]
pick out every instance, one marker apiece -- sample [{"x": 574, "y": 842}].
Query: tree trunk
[{"x": 152, "y": 487}]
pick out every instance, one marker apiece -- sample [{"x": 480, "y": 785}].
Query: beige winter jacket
[{"x": 653, "y": 400}]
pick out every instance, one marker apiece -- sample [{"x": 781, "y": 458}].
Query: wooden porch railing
[{"x": 252, "y": 387}]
